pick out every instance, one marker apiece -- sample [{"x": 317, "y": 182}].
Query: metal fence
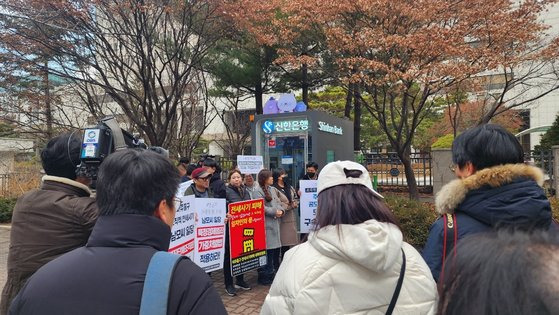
[
  {"x": 544, "y": 160},
  {"x": 389, "y": 170},
  {"x": 16, "y": 184}
]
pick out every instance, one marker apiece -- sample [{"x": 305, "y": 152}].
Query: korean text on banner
[
  {"x": 210, "y": 233},
  {"x": 250, "y": 164},
  {"x": 308, "y": 204},
  {"x": 247, "y": 236},
  {"x": 182, "y": 232}
]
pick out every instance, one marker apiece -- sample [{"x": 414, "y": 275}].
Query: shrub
[
  {"x": 6, "y": 208},
  {"x": 415, "y": 218},
  {"x": 444, "y": 142},
  {"x": 554, "y": 208}
]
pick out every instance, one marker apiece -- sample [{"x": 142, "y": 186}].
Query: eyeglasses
[
  {"x": 452, "y": 167},
  {"x": 177, "y": 202},
  {"x": 203, "y": 178}
]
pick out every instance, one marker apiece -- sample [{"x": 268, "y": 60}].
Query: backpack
[{"x": 157, "y": 283}]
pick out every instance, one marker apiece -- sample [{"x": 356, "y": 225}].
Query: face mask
[{"x": 311, "y": 175}]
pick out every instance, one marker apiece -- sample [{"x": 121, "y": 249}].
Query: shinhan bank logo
[{"x": 268, "y": 126}]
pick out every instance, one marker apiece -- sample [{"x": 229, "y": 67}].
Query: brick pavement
[{"x": 246, "y": 302}]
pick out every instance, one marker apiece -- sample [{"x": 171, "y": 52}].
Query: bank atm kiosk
[{"x": 291, "y": 140}]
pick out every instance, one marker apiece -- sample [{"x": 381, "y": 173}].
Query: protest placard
[
  {"x": 247, "y": 236},
  {"x": 182, "y": 232},
  {"x": 210, "y": 233},
  {"x": 250, "y": 164},
  {"x": 308, "y": 204}
]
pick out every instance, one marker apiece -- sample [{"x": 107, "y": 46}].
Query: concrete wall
[{"x": 441, "y": 161}]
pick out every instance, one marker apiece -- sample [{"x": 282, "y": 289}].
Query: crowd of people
[{"x": 493, "y": 250}]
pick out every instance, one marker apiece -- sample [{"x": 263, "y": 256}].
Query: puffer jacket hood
[
  {"x": 505, "y": 194},
  {"x": 372, "y": 245}
]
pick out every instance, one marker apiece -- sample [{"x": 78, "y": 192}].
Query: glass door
[{"x": 288, "y": 152}]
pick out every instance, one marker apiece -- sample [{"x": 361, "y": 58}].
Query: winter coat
[
  {"x": 252, "y": 189},
  {"x": 351, "y": 269},
  {"x": 288, "y": 228},
  {"x": 217, "y": 185},
  {"x": 47, "y": 222},
  {"x": 107, "y": 275},
  {"x": 233, "y": 195},
  {"x": 272, "y": 223},
  {"x": 505, "y": 195},
  {"x": 191, "y": 190}
]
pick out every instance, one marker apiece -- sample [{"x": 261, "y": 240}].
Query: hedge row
[{"x": 6, "y": 208}]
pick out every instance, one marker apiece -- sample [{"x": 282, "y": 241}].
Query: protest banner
[
  {"x": 183, "y": 187},
  {"x": 182, "y": 232},
  {"x": 308, "y": 204},
  {"x": 247, "y": 236},
  {"x": 250, "y": 164},
  {"x": 210, "y": 233}
]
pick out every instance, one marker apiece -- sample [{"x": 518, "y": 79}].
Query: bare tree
[
  {"x": 236, "y": 122},
  {"x": 141, "y": 55}
]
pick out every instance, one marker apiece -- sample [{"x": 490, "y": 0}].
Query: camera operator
[{"x": 52, "y": 220}]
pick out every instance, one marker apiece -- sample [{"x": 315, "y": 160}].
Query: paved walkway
[{"x": 246, "y": 302}]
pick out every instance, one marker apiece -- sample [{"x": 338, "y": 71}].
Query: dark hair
[
  {"x": 212, "y": 163},
  {"x": 184, "y": 160},
  {"x": 134, "y": 181},
  {"x": 485, "y": 146},
  {"x": 287, "y": 188},
  {"x": 190, "y": 168},
  {"x": 506, "y": 272},
  {"x": 61, "y": 156},
  {"x": 350, "y": 204},
  {"x": 233, "y": 171},
  {"x": 263, "y": 175},
  {"x": 312, "y": 164}
]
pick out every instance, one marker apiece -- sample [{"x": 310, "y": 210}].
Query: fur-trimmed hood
[{"x": 454, "y": 193}]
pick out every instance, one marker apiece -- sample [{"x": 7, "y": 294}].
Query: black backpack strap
[
  {"x": 449, "y": 239},
  {"x": 398, "y": 286}
]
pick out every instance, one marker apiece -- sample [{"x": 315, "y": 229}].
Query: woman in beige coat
[{"x": 287, "y": 195}]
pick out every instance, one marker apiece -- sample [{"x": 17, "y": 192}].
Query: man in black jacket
[
  {"x": 135, "y": 196},
  {"x": 217, "y": 185}
]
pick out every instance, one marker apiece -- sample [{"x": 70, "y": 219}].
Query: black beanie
[{"x": 61, "y": 156}]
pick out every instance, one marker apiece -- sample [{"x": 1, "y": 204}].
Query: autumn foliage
[{"x": 402, "y": 53}]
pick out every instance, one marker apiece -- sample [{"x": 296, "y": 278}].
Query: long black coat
[{"x": 107, "y": 275}]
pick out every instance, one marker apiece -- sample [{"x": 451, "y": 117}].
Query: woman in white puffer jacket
[{"x": 352, "y": 263}]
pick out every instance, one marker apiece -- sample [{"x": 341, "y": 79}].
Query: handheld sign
[
  {"x": 308, "y": 204},
  {"x": 210, "y": 233},
  {"x": 247, "y": 236},
  {"x": 250, "y": 164},
  {"x": 182, "y": 233}
]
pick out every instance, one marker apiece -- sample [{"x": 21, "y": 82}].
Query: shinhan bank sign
[{"x": 281, "y": 126}]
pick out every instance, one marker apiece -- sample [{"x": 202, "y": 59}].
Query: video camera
[{"x": 102, "y": 140}]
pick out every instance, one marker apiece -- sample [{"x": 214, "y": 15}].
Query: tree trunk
[
  {"x": 356, "y": 118},
  {"x": 348, "y": 99},
  {"x": 305, "y": 84},
  {"x": 258, "y": 94},
  {"x": 410, "y": 176},
  {"x": 48, "y": 109}
]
